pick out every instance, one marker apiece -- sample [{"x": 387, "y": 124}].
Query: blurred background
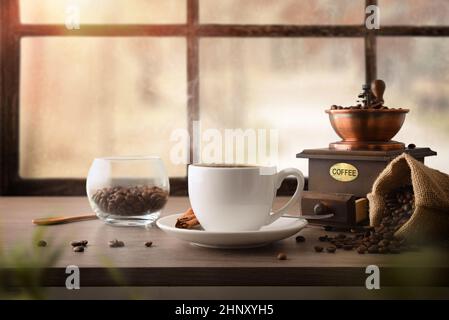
[{"x": 83, "y": 97}]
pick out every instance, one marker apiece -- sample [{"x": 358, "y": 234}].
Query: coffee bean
[
  {"x": 116, "y": 243},
  {"x": 348, "y": 247},
  {"x": 318, "y": 249},
  {"x": 394, "y": 243},
  {"x": 388, "y": 235},
  {"x": 331, "y": 249},
  {"x": 373, "y": 249},
  {"x": 148, "y": 244},
  {"x": 338, "y": 245},
  {"x": 382, "y": 250},
  {"x": 300, "y": 239},
  {"x": 282, "y": 256},
  {"x": 411, "y": 146},
  {"x": 383, "y": 243},
  {"x": 407, "y": 207},
  {"x": 42, "y": 243},
  {"x": 78, "y": 243},
  {"x": 361, "y": 249},
  {"x": 78, "y": 249},
  {"x": 323, "y": 238},
  {"x": 367, "y": 244},
  {"x": 341, "y": 236}
]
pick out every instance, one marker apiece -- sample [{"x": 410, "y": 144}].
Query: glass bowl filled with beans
[{"x": 128, "y": 191}]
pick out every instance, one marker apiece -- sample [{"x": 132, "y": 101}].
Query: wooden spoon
[{"x": 61, "y": 220}]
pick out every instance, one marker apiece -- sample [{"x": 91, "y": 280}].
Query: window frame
[{"x": 12, "y": 30}]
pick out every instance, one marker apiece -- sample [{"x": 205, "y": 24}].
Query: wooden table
[{"x": 171, "y": 262}]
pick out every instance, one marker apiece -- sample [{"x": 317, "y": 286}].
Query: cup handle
[{"x": 280, "y": 176}]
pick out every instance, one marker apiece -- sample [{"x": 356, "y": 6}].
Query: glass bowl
[{"x": 128, "y": 191}]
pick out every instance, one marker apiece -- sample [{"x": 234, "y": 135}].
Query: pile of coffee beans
[
  {"x": 400, "y": 205},
  {"x": 335, "y": 107},
  {"x": 130, "y": 201}
]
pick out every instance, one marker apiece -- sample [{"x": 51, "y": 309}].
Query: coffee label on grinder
[{"x": 343, "y": 172}]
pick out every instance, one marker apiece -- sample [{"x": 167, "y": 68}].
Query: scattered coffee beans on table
[
  {"x": 400, "y": 205},
  {"x": 130, "y": 201}
]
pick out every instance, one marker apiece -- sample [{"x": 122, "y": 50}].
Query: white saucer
[{"x": 278, "y": 230}]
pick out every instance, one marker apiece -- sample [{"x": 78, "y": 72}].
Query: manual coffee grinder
[{"x": 341, "y": 175}]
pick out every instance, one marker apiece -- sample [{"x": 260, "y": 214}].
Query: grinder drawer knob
[{"x": 320, "y": 208}]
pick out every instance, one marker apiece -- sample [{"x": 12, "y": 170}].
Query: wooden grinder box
[{"x": 339, "y": 181}]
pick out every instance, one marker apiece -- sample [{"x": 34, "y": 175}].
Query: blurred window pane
[
  {"x": 282, "y": 11},
  {"x": 283, "y": 84},
  {"x": 104, "y": 11},
  {"x": 82, "y": 98},
  {"x": 414, "y": 12},
  {"x": 416, "y": 71}
]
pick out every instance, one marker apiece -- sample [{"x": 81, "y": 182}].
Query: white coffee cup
[{"x": 238, "y": 198}]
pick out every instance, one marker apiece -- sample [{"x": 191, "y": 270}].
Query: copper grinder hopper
[{"x": 369, "y": 125}]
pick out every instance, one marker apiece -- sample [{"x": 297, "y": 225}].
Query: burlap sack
[{"x": 430, "y": 220}]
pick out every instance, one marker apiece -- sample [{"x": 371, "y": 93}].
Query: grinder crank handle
[{"x": 378, "y": 89}]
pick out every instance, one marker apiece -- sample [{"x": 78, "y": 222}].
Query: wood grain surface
[{"x": 171, "y": 262}]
